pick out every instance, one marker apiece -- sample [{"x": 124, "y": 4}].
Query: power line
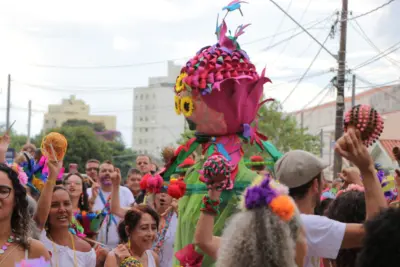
[
  {"x": 309, "y": 67},
  {"x": 362, "y": 33},
  {"x": 305, "y": 30},
  {"x": 319, "y": 103},
  {"x": 140, "y": 64},
  {"x": 388, "y": 51},
  {"x": 317, "y": 95},
  {"x": 382, "y": 89},
  {"x": 281, "y": 23},
  {"x": 300, "y": 21},
  {"x": 371, "y": 11},
  {"x": 391, "y": 83}
]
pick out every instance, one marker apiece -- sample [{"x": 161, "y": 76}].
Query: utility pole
[
  {"x": 8, "y": 102},
  {"x": 322, "y": 143},
  {"x": 353, "y": 92},
  {"x": 302, "y": 121},
  {"x": 337, "y": 166},
  {"x": 29, "y": 121}
]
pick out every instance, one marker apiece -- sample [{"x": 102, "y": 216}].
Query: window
[
  {"x": 147, "y": 96},
  {"x": 136, "y": 97},
  {"x": 141, "y": 97},
  {"x": 141, "y": 118},
  {"x": 145, "y": 152},
  {"x": 146, "y": 119},
  {"x": 146, "y": 129}
]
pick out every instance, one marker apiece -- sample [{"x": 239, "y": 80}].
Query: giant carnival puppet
[{"x": 219, "y": 92}]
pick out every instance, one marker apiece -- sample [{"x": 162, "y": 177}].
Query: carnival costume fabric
[{"x": 219, "y": 92}]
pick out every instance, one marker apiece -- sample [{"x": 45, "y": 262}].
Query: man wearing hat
[{"x": 301, "y": 171}]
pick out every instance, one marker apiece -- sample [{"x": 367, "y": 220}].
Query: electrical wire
[
  {"x": 304, "y": 29},
  {"x": 363, "y": 35},
  {"x": 317, "y": 95},
  {"x": 281, "y": 22},
  {"x": 369, "y": 12},
  {"x": 319, "y": 104},
  {"x": 382, "y": 89},
  {"x": 309, "y": 67},
  {"x": 388, "y": 51},
  {"x": 300, "y": 21},
  {"x": 140, "y": 64}
]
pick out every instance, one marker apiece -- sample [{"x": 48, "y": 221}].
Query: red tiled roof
[{"x": 388, "y": 145}]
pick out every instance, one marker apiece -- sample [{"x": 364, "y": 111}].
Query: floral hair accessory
[
  {"x": 22, "y": 177},
  {"x": 217, "y": 170},
  {"x": 352, "y": 187},
  {"x": 264, "y": 195},
  {"x": 367, "y": 120}
]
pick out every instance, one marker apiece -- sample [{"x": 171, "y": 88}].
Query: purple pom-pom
[{"x": 260, "y": 195}]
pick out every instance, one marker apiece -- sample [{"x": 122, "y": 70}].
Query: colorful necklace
[
  {"x": 10, "y": 240},
  {"x": 162, "y": 233}
]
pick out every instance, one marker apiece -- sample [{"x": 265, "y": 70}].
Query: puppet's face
[{"x": 218, "y": 91}]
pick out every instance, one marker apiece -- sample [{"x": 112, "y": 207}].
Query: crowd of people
[{"x": 286, "y": 217}]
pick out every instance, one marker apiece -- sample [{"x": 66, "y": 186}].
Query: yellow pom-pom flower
[
  {"x": 180, "y": 86},
  {"x": 177, "y": 105}
]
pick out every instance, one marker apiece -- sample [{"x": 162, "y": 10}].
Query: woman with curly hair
[
  {"x": 267, "y": 232},
  {"x": 15, "y": 243},
  {"x": 348, "y": 207}
]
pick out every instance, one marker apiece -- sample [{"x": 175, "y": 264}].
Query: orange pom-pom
[
  {"x": 283, "y": 206},
  {"x": 176, "y": 188},
  {"x": 54, "y": 146}
]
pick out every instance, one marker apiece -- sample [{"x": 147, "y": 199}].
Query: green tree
[
  {"x": 281, "y": 129},
  {"x": 96, "y": 126},
  {"x": 84, "y": 144}
]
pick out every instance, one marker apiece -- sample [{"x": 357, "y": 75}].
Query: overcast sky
[{"x": 38, "y": 39}]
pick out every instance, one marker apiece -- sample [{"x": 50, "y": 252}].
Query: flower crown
[
  {"x": 352, "y": 187},
  {"x": 22, "y": 177},
  {"x": 154, "y": 183},
  {"x": 274, "y": 196}
]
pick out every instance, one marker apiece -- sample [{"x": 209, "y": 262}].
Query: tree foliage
[
  {"x": 96, "y": 126},
  {"x": 281, "y": 129},
  {"x": 84, "y": 144}
]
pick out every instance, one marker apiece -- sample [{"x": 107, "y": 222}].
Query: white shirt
[
  {"x": 324, "y": 238},
  {"x": 167, "y": 250},
  {"x": 126, "y": 199},
  {"x": 63, "y": 256}
]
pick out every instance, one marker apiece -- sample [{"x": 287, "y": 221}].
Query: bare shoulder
[
  {"x": 156, "y": 258},
  {"x": 111, "y": 260},
  {"x": 82, "y": 245},
  {"x": 37, "y": 250}
]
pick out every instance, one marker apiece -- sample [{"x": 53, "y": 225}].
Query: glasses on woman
[{"x": 5, "y": 191}]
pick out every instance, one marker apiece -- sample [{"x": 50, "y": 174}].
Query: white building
[
  {"x": 155, "y": 123},
  {"x": 322, "y": 118}
]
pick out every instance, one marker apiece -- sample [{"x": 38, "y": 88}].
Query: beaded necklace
[
  {"x": 162, "y": 233},
  {"x": 8, "y": 243}
]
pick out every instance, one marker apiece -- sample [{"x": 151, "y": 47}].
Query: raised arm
[
  {"x": 44, "y": 202},
  {"x": 356, "y": 152},
  {"x": 204, "y": 237},
  {"x": 4, "y": 143},
  {"x": 116, "y": 208}
]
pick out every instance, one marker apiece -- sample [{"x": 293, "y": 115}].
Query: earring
[{"x": 129, "y": 244}]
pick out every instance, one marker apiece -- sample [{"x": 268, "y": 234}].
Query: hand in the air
[
  {"x": 4, "y": 143},
  {"x": 352, "y": 148},
  {"x": 116, "y": 177},
  {"x": 54, "y": 169}
]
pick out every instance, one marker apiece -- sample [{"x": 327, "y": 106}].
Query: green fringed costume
[{"x": 219, "y": 92}]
